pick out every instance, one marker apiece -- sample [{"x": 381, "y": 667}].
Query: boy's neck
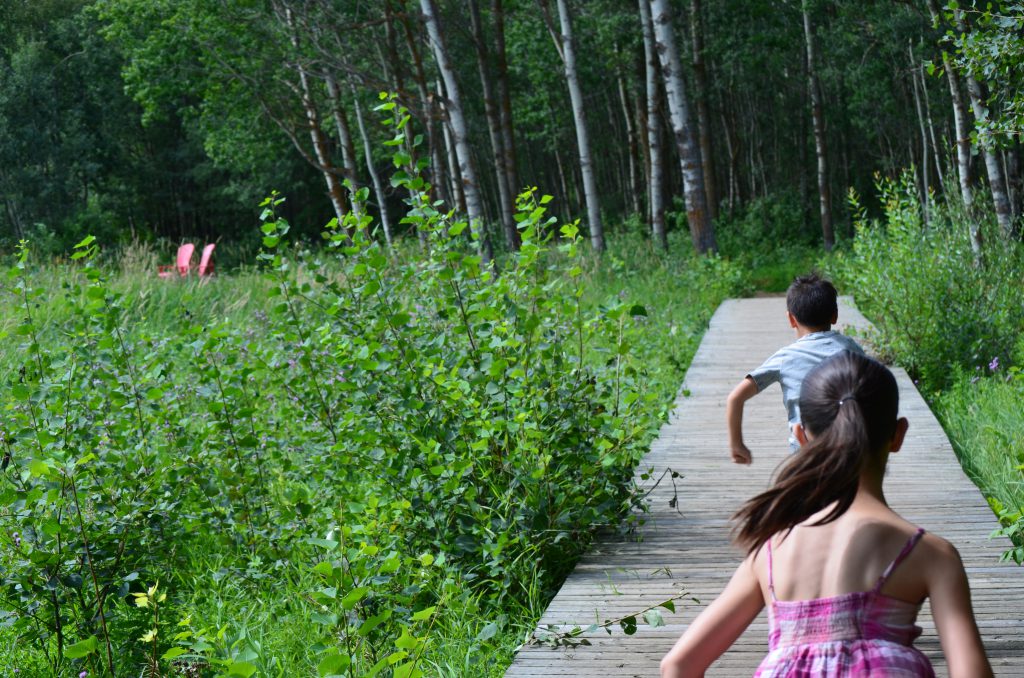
[{"x": 804, "y": 330}]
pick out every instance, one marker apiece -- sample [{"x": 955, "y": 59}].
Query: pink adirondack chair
[
  {"x": 182, "y": 265},
  {"x": 206, "y": 261}
]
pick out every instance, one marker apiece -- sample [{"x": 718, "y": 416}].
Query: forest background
[{"x": 428, "y": 367}]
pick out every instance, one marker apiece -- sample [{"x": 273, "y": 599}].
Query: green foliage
[
  {"x": 391, "y": 435},
  {"x": 75, "y": 159},
  {"x": 991, "y": 49},
  {"x": 769, "y": 236},
  {"x": 981, "y": 413},
  {"x": 933, "y": 305}
]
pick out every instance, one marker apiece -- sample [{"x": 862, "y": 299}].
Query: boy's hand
[
  {"x": 744, "y": 391},
  {"x": 741, "y": 454}
]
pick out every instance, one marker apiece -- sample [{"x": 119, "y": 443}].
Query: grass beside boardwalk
[{"x": 982, "y": 415}]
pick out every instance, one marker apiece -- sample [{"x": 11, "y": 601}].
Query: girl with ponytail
[{"x": 843, "y": 575}]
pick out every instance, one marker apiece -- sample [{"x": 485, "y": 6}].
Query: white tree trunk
[
  {"x": 962, "y": 124},
  {"x": 568, "y": 50},
  {"x": 656, "y": 154},
  {"x": 820, "y": 143},
  {"x": 996, "y": 178},
  {"x": 316, "y": 133},
  {"x": 923, "y": 126},
  {"x": 460, "y": 132},
  {"x": 701, "y": 230},
  {"x": 348, "y": 151},
  {"x": 378, "y": 187}
]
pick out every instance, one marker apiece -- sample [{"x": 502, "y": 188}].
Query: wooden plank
[{"x": 687, "y": 546}]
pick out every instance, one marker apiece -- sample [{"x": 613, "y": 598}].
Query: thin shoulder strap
[
  {"x": 771, "y": 577},
  {"x": 907, "y": 548}
]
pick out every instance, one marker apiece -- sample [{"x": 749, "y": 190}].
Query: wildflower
[
  {"x": 17, "y": 540},
  {"x": 83, "y": 674},
  {"x": 994, "y": 365},
  {"x": 975, "y": 379}
]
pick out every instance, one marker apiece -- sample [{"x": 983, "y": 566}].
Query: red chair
[
  {"x": 206, "y": 261},
  {"x": 183, "y": 265}
]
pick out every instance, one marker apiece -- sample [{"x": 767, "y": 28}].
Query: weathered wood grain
[{"x": 688, "y": 547}]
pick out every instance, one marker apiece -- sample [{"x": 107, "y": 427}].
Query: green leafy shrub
[
  {"x": 933, "y": 305},
  {"x": 392, "y": 427}
]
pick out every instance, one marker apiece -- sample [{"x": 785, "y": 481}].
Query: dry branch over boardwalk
[{"x": 690, "y": 549}]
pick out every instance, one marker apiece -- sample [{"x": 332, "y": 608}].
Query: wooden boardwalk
[{"x": 690, "y": 549}]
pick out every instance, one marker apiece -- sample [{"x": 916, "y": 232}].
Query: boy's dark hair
[
  {"x": 849, "y": 405},
  {"x": 812, "y": 301}
]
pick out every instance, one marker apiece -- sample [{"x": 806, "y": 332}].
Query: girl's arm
[
  {"x": 717, "y": 627},
  {"x": 954, "y": 619}
]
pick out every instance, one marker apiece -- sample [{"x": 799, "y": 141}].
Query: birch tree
[
  {"x": 701, "y": 229},
  {"x": 818, "y": 121},
  {"x": 567, "y": 51},
  {"x": 459, "y": 129},
  {"x": 996, "y": 179},
  {"x": 962, "y": 127},
  {"x": 378, "y": 186},
  {"x": 655, "y": 151},
  {"x": 348, "y": 153}
]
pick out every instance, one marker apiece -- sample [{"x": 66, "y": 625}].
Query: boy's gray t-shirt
[{"x": 790, "y": 364}]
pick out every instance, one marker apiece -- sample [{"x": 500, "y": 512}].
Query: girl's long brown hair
[{"x": 848, "y": 405}]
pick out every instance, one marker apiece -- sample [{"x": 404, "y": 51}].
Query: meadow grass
[{"x": 983, "y": 419}]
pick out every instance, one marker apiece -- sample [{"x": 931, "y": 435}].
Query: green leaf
[
  {"x": 654, "y": 618},
  {"x": 328, "y": 544},
  {"x": 21, "y": 392},
  {"x": 628, "y": 625},
  {"x": 353, "y": 597},
  {"x": 82, "y": 648},
  {"x": 487, "y": 632},
  {"x": 406, "y": 641},
  {"x": 425, "y": 613},
  {"x": 669, "y": 605},
  {"x": 407, "y": 670},
  {"x": 333, "y": 665},
  {"x": 242, "y": 670},
  {"x": 38, "y": 467},
  {"x": 173, "y": 653},
  {"x": 373, "y": 622}
]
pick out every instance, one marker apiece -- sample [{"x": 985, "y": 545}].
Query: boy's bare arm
[{"x": 744, "y": 391}]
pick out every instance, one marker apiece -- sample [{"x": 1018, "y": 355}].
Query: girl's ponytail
[{"x": 848, "y": 405}]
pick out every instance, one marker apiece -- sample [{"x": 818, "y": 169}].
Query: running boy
[{"x": 812, "y": 310}]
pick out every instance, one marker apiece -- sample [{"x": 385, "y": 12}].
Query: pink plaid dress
[{"x": 865, "y": 633}]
